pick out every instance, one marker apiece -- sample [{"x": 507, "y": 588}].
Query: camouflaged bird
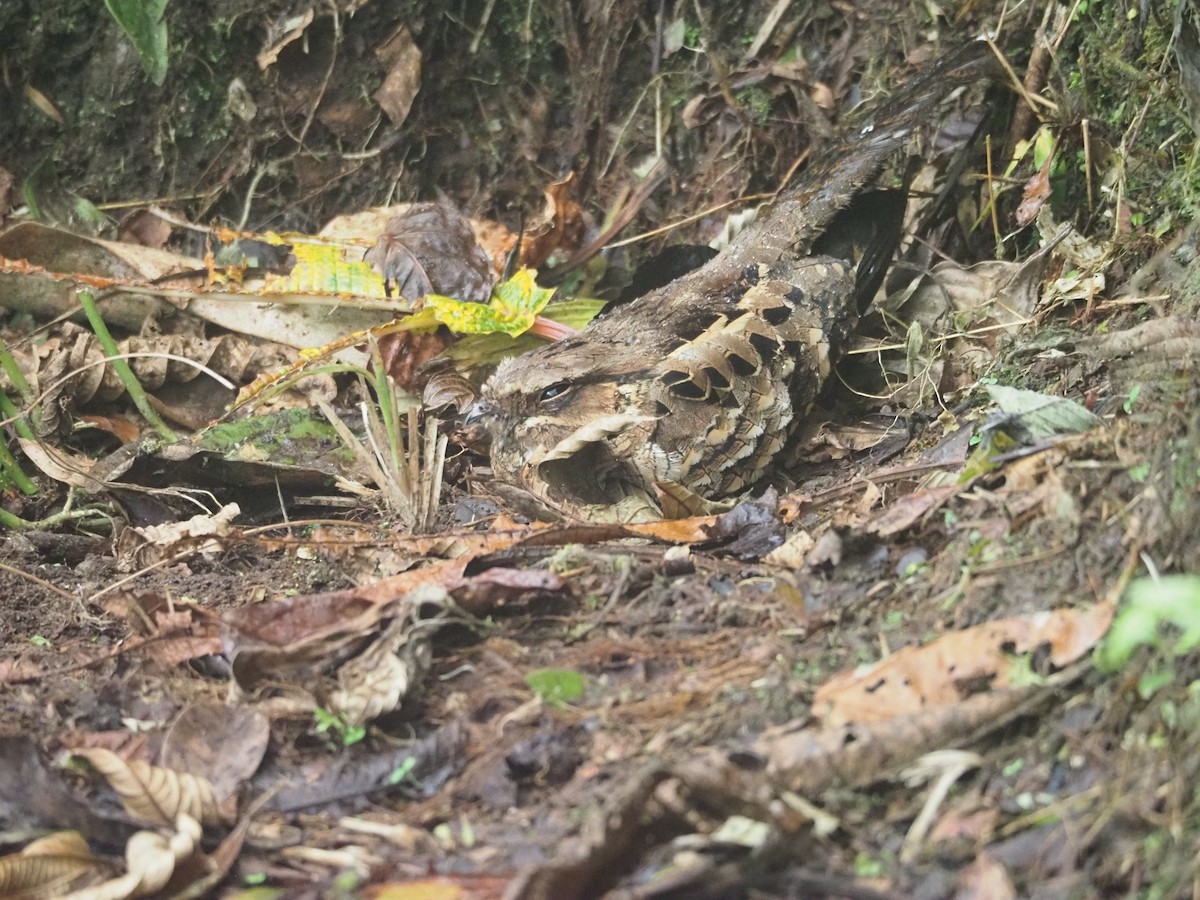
[{"x": 694, "y": 388}]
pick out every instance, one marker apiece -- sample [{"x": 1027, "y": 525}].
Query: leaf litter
[{"x": 875, "y": 679}]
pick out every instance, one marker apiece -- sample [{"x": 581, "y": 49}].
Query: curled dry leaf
[
  {"x": 405, "y": 354},
  {"x": 377, "y": 681},
  {"x": 51, "y": 866},
  {"x": 180, "y": 845},
  {"x": 448, "y": 388},
  {"x": 151, "y": 859},
  {"x": 561, "y": 230},
  {"x": 154, "y": 794},
  {"x": 75, "y": 372},
  {"x": 430, "y": 249},
  {"x": 202, "y": 533},
  {"x": 1035, "y": 195}
]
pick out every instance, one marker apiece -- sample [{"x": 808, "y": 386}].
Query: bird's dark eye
[{"x": 555, "y": 390}]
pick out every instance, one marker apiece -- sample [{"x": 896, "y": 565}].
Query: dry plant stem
[
  {"x": 953, "y": 764},
  {"x": 365, "y": 459},
  {"x": 1035, "y": 80},
  {"x": 718, "y": 67},
  {"x": 433, "y": 461},
  {"x": 477, "y": 39},
  {"x": 695, "y": 217},
  {"x": 620, "y": 220},
  {"x": 121, "y": 367},
  {"x": 333, "y": 57},
  {"x": 1085, "y": 129},
  {"x": 766, "y": 29}
]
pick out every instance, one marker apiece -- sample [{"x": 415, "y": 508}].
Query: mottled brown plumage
[{"x": 697, "y": 385}]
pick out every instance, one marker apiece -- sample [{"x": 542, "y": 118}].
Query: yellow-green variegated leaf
[{"x": 512, "y": 309}]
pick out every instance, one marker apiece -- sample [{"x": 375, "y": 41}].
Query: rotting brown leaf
[
  {"x": 1035, "y": 194},
  {"x": 809, "y": 760},
  {"x": 561, "y": 230},
  {"x": 294, "y": 640},
  {"x": 908, "y": 510},
  {"x": 613, "y": 836},
  {"x": 172, "y": 632},
  {"x": 370, "y": 769},
  {"x": 402, "y": 56},
  {"x": 223, "y": 744},
  {"x": 152, "y": 793},
  {"x": 380, "y": 678},
  {"x": 429, "y": 248},
  {"x": 202, "y": 533},
  {"x": 51, "y": 866},
  {"x": 916, "y": 679}
]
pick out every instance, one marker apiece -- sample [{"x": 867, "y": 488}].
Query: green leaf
[
  {"x": 1149, "y": 604},
  {"x": 1040, "y": 416},
  {"x": 556, "y": 686},
  {"x": 512, "y": 309},
  {"x": 143, "y": 21}
]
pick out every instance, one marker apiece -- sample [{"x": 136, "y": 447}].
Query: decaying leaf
[
  {"x": 916, "y": 679},
  {"x": 203, "y": 533},
  {"x": 561, "y": 230},
  {"x": 402, "y": 56},
  {"x": 1035, "y": 194},
  {"x": 51, "y": 866},
  {"x": 299, "y": 639},
  {"x": 448, "y": 388},
  {"x": 154, "y": 794},
  {"x": 281, "y": 32},
  {"x": 383, "y": 675},
  {"x": 430, "y": 248},
  {"x": 224, "y": 744}
]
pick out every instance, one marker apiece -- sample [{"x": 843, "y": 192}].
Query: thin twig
[{"x": 38, "y": 581}]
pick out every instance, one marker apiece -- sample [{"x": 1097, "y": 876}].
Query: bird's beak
[{"x": 476, "y": 412}]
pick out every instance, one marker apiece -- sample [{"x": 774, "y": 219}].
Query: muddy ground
[{"x": 683, "y": 747}]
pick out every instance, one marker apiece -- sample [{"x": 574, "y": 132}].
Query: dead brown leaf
[
  {"x": 561, "y": 230},
  {"x": 402, "y": 56},
  {"x": 223, "y": 744},
  {"x": 1035, "y": 194},
  {"x": 943, "y": 673},
  {"x": 429, "y": 248},
  {"x": 910, "y": 509}
]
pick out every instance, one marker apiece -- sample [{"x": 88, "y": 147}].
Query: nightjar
[{"x": 695, "y": 387}]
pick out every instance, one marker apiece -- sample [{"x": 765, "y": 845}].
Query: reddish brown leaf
[
  {"x": 405, "y": 352},
  {"x": 1037, "y": 192},
  {"x": 562, "y": 228}
]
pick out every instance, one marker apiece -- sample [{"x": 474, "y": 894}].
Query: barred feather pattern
[{"x": 696, "y": 387}]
